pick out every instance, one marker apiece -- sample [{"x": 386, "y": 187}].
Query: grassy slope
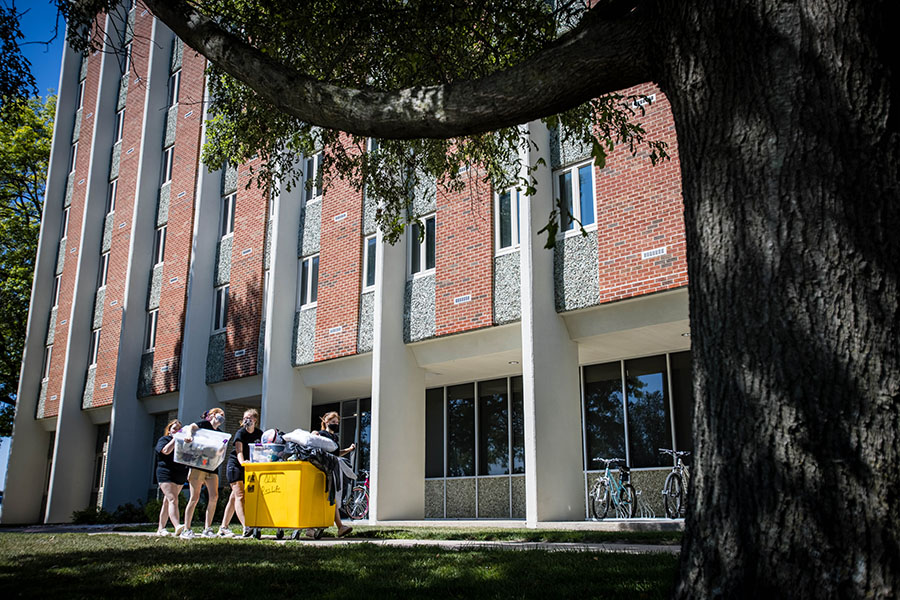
[{"x": 81, "y": 566}]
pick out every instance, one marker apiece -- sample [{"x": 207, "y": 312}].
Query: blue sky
[{"x": 38, "y": 26}]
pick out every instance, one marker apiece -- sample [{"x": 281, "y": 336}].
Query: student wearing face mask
[
  {"x": 197, "y": 478},
  {"x": 246, "y": 436},
  {"x": 331, "y": 423}
]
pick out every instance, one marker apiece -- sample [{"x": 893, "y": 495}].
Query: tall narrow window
[
  {"x": 55, "y": 293},
  {"x": 111, "y": 193},
  {"x": 120, "y": 122},
  {"x": 649, "y": 419},
  {"x": 168, "y": 157},
  {"x": 220, "y": 311},
  {"x": 64, "y": 225},
  {"x": 226, "y": 215},
  {"x": 507, "y": 210},
  {"x": 493, "y": 427},
  {"x": 461, "y": 430},
  {"x": 127, "y": 66},
  {"x": 72, "y": 157},
  {"x": 159, "y": 245},
  {"x": 45, "y": 371},
  {"x": 174, "y": 87},
  {"x": 104, "y": 270},
  {"x": 312, "y": 181},
  {"x": 308, "y": 292},
  {"x": 369, "y": 249},
  {"x": 150, "y": 330},
  {"x": 94, "y": 349},
  {"x": 422, "y": 247},
  {"x": 575, "y": 191},
  {"x": 80, "y": 95},
  {"x": 604, "y": 419}
]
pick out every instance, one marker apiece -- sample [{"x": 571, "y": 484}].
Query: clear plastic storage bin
[
  {"x": 205, "y": 451},
  {"x": 260, "y": 453}
]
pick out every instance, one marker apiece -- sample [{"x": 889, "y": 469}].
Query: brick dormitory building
[{"x": 478, "y": 372}]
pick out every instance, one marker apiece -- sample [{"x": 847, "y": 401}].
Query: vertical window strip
[{"x": 111, "y": 195}]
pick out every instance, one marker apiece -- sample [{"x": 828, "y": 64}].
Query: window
[
  {"x": 574, "y": 189},
  {"x": 312, "y": 183},
  {"x": 45, "y": 370},
  {"x": 226, "y": 216},
  {"x": 220, "y": 311},
  {"x": 174, "y": 87},
  {"x": 507, "y": 225},
  {"x": 265, "y": 298},
  {"x": 369, "y": 249},
  {"x": 308, "y": 291},
  {"x": 80, "y": 102},
  {"x": 127, "y": 65},
  {"x": 94, "y": 349},
  {"x": 72, "y": 156},
  {"x": 64, "y": 225},
  {"x": 111, "y": 193},
  {"x": 55, "y": 293},
  {"x": 150, "y": 330},
  {"x": 104, "y": 270},
  {"x": 120, "y": 121},
  {"x": 421, "y": 248},
  {"x": 159, "y": 245},
  {"x": 168, "y": 155}
]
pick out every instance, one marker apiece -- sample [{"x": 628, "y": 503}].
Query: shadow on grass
[{"x": 78, "y": 565}]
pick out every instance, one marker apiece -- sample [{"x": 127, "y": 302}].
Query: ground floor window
[
  {"x": 634, "y": 407},
  {"x": 356, "y": 427}
]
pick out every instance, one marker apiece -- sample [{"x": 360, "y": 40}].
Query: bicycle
[
  {"x": 357, "y": 504},
  {"x": 675, "y": 488},
  {"x": 616, "y": 491}
]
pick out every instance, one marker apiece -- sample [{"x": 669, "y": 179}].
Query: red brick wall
[
  {"x": 464, "y": 257},
  {"x": 129, "y": 160},
  {"x": 76, "y": 212},
  {"x": 639, "y": 208},
  {"x": 340, "y": 277},
  {"x": 246, "y": 281},
  {"x": 179, "y": 229}
]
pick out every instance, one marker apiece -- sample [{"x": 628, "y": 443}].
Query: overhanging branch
[{"x": 600, "y": 55}]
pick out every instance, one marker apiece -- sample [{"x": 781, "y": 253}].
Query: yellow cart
[{"x": 286, "y": 495}]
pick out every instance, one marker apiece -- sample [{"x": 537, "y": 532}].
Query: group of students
[{"x": 172, "y": 475}]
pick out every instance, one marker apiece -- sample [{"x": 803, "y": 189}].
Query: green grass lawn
[{"x": 82, "y": 566}]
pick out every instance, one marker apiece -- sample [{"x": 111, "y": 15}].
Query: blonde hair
[
  {"x": 253, "y": 413},
  {"x": 169, "y": 426},
  {"x": 327, "y": 417}
]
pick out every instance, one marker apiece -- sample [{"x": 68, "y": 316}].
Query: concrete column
[
  {"x": 195, "y": 396},
  {"x": 554, "y": 487},
  {"x": 76, "y": 434},
  {"x": 131, "y": 428},
  {"x": 30, "y": 442},
  {"x": 286, "y": 401},
  {"x": 398, "y": 399}
]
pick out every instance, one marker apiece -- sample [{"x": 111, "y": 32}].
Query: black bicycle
[{"x": 675, "y": 488}]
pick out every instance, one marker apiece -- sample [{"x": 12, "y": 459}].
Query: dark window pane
[
  {"x": 370, "y": 262},
  {"x": 518, "y": 425},
  {"x": 649, "y": 427},
  {"x": 304, "y": 281},
  {"x": 565, "y": 199},
  {"x": 365, "y": 427},
  {"x": 314, "y": 283},
  {"x": 493, "y": 428},
  {"x": 434, "y": 432},
  {"x": 415, "y": 257},
  {"x": 604, "y": 420},
  {"x": 310, "y": 175},
  {"x": 429, "y": 243},
  {"x": 505, "y": 220},
  {"x": 586, "y": 193},
  {"x": 461, "y": 430},
  {"x": 683, "y": 399}
]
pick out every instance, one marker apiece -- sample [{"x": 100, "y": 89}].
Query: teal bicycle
[{"x": 611, "y": 491}]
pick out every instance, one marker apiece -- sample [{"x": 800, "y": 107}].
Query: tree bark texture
[{"x": 787, "y": 119}]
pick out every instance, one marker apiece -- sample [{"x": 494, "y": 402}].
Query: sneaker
[
  {"x": 179, "y": 530},
  {"x": 187, "y": 534},
  {"x": 208, "y": 532},
  {"x": 162, "y": 532},
  {"x": 225, "y": 532},
  {"x": 247, "y": 532}
]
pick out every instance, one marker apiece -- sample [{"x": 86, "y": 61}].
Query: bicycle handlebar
[
  {"x": 609, "y": 461},
  {"x": 681, "y": 453}
]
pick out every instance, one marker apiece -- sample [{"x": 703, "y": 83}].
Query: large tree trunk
[{"x": 787, "y": 118}]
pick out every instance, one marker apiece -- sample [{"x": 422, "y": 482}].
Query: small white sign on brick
[
  {"x": 238, "y": 353},
  {"x": 653, "y": 253},
  {"x": 462, "y": 299},
  {"x": 335, "y": 330},
  {"x": 340, "y": 217}
]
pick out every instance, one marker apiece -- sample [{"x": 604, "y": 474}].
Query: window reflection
[
  {"x": 461, "y": 430},
  {"x": 604, "y": 421},
  {"x": 649, "y": 424},
  {"x": 493, "y": 431}
]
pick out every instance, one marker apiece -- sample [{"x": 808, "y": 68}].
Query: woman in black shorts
[
  {"x": 213, "y": 419},
  {"x": 171, "y": 477},
  {"x": 240, "y": 453}
]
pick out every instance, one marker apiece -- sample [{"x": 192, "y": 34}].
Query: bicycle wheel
[
  {"x": 673, "y": 496},
  {"x": 358, "y": 504},
  {"x": 600, "y": 499},
  {"x": 627, "y": 502}
]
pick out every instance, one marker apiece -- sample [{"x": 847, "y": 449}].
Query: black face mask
[{"x": 333, "y": 427}]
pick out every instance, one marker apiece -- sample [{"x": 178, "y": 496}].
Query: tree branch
[{"x": 599, "y": 56}]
